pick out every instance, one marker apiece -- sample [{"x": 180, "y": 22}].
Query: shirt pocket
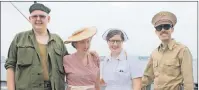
[
  {"x": 25, "y": 55},
  {"x": 155, "y": 63},
  {"x": 171, "y": 67},
  {"x": 122, "y": 72}
]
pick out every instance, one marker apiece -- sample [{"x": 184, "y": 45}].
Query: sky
[{"x": 132, "y": 17}]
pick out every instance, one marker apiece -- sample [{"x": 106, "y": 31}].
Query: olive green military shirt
[
  {"x": 24, "y": 58},
  {"x": 170, "y": 68}
]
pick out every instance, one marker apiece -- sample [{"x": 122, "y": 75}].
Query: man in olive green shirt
[
  {"x": 170, "y": 64},
  {"x": 35, "y": 57}
]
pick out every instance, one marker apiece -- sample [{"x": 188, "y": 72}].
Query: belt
[
  {"x": 80, "y": 87},
  {"x": 47, "y": 84}
]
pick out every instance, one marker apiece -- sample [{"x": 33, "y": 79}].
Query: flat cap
[
  {"x": 38, "y": 6},
  {"x": 164, "y": 16}
]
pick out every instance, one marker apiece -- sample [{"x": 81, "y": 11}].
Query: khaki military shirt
[
  {"x": 170, "y": 68},
  {"x": 24, "y": 58}
]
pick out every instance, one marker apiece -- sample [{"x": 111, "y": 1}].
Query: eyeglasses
[
  {"x": 165, "y": 26},
  {"x": 117, "y": 41},
  {"x": 40, "y": 16}
]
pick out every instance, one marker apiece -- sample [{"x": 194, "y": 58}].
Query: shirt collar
[
  {"x": 170, "y": 45},
  {"x": 122, "y": 56},
  {"x": 51, "y": 37}
]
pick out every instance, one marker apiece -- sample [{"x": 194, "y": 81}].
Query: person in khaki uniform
[
  {"x": 35, "y": 57},
  {"x": 170, "y": 64}
]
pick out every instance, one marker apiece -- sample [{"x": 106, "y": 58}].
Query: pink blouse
[{"x": 79, "y": 75}]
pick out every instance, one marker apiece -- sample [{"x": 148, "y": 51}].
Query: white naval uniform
[{"x": 118, "y": 73}]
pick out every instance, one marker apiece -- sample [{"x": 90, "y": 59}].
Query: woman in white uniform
[{"x": 119, "y": 70}]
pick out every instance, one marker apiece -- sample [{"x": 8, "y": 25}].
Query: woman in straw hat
[
  {"x": 81, "y": 67},
  {"x": 119, "y": 70}
]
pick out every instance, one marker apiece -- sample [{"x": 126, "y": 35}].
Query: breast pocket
[
  {"x": 155, "y": 64},
  {"x": 25, "y": 55},
  {"x": 171, "y": 67},
  {"x": 122, "y": 71},
  {"x": 59, "y": 59}
]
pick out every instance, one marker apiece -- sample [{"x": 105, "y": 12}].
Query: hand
[
  {"x": 102, "y": 82},
  {"x": 95, "y": 54}
]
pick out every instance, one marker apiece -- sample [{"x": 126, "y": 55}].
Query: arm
[
  {"x": 148, "y": 76},
  {"x": 63, "y": 47},
  {"x": 136, "y": 71},
  {"x": 10, "y": 64},
  {"x": 102, "y": 82},
  {"x": 10, "y": 79},
  {"x": 137, "y": 83},
  {"x": 97, "y": 84},
  {"x": 187, "y": 69},
  {"x": 96, "y": 58},
  {"x": 64, "y": 53}
]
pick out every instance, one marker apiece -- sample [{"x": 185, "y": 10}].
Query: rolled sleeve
[{"x": 12, "y": 55}]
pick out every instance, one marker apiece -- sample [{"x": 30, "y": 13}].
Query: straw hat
[{"x": 81, "y": 34}]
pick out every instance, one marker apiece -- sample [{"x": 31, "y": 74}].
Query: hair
[
  {"x": 114, "y": 32},
  {"x": 73, "y": 44}
]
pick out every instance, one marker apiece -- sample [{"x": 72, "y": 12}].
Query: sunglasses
[
  {"x": 36, "y": 16},
  {"x": 165, "y": 26}
]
